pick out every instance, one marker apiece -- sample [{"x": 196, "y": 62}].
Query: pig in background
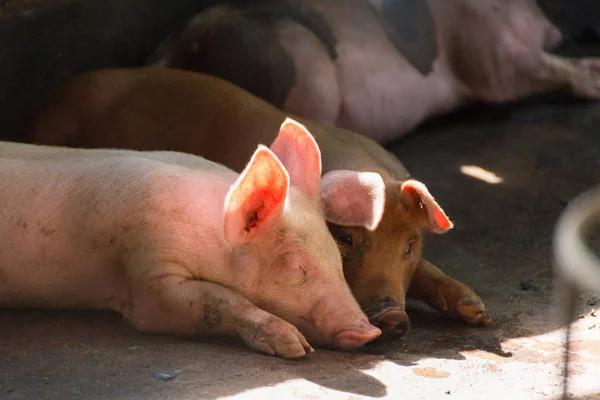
[
  {"x": 170, "y": 109},
  {"x": 380, "y": 67},
  {"x": 578, "y": 21},
  {"x": 181, "y": 245}
]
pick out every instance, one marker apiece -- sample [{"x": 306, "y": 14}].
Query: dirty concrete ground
[{"x": 546, "y": 153}]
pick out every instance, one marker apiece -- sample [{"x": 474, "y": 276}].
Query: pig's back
[
  {"x": 158, "y": 109},
  {"x": 168, "y": 109},
  {"x": 68, "y": 218}
]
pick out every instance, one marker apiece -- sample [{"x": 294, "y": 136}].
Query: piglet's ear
[
  {"x": 415, "y": 194},
  {"x": 257, "y": 197},
  {"x": 353, "y": 198},
  {"x": 300, "y": 154}
]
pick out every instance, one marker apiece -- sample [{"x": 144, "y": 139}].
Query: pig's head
[
  {"x": 379, "y": 261},
  {"x": 289, "y": 263}
]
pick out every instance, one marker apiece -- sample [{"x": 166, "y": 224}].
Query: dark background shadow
[{"x": 45, "y": 41}]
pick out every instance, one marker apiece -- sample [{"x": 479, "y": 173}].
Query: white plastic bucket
[{"x": 574, "y": 260}]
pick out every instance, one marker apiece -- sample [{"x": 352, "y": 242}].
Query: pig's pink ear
[
  {"x": 415, "y": 194},
  {"x": 256, "y": 198},
  {"x": 300, "y": 154},
  {"x": 353, "y": 198}
]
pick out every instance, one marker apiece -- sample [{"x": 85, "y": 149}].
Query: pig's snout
[
  {"x": 393, "y": 323},
  {"x": 344, "y": 328},
  {"x": 354, "y": 338},
  {"x": 390, "y": 318}
]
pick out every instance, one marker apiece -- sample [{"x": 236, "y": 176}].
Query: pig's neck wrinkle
[
  {"x": 220, "y": 262},
  {"x": 239, "y": 273}
]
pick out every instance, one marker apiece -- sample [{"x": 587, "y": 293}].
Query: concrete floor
[{"x": 546, "y": 154}]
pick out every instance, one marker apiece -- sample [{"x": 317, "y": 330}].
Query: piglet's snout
[{"x": 391, "y": 319}]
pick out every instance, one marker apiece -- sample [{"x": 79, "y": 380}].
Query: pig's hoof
[
  {"x": 586, "y": 85},
  {"x": 472, "y": 310},
  {"x": 276, "y": 337},
  {"x": 459, "y": 301}
]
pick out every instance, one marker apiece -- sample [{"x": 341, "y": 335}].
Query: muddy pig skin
[
  {"x": 379, "y": 67},
  {"x": 169, "y": 109},
  {"x": 182, "y": 245}
]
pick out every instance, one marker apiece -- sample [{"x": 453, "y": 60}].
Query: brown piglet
[{"x": 168, "y": 109}]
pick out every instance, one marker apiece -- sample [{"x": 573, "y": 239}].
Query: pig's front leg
[
  {"x": 447, "y": 295},
  {"x": 579, "y": 75},
  {"x": 178, "y": 305}
]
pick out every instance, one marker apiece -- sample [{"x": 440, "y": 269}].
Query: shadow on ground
[{"x": 73, "y": 354}]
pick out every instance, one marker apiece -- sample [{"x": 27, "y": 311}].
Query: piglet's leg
[
  {"x": 447, "y": 295},
  {"x": 181, "y": 306},
  {"x": 579, "y": 75}
]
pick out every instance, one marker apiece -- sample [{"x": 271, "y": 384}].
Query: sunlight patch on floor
[
  {"x": 482, "y": 174},
  {"x": 534, "y": 371}
]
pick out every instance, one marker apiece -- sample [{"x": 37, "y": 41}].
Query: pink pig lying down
[
  {"x": 181, "y": 245},
  {"x": 379, "y": 67}
]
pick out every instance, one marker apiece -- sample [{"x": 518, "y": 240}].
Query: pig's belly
[
  {"x": 382, "y": 95},
  {"x": 64, "y": 278}
]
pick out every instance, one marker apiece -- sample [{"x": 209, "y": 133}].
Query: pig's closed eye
[
  {"x": 293, "y": 269},
  {"x": 300, "y": 274}
]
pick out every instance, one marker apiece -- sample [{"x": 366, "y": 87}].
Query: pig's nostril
[
  {"x": 393, "y": 329},
  {"x": 393, "y": 324},
  {"x": 401, "y": 328}
]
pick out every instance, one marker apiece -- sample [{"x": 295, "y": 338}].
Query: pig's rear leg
[
  {"x": 177, "y": 305},
  {"x": 447, "y": 295},
  {"x": 544, "y": 71},
  {"x": 580, "y": 76}
]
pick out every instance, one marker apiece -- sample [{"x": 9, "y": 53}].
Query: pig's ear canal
[
  {"x": 300, "y": 154},
  {"x": 256, "y": 198},
  {"x": 352, "y": 198},
  {"x": 415, "y": 194}
]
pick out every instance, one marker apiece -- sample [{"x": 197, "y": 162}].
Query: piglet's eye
[
  {"x": 345, "y": 238},
  {"x": 408, "y": 249},
  {"x": 341, "y": 236}
]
